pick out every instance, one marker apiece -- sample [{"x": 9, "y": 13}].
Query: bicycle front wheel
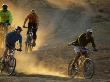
[
  {"x": 11, "y": 66},
  {"x": 71, "y": 70},
  {"x": 88, "y": 69}
]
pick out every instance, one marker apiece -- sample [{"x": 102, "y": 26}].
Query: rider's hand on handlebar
[
  {"x": 24, "y": 26},
  {"x": 19, "y": 49},
  {"x": 69, "y": 44}
]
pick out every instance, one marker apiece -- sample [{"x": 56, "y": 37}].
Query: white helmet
[{"x": 89, "y": 30}]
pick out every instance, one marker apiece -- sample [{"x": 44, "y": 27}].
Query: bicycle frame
[
  {"x": 28, "y": 42},
  {"x": 4, "y": 27},
  {"x": 82, "y": 58},
  {"x": 11, "y": 53},
  {"x": 81, "y": 63}
]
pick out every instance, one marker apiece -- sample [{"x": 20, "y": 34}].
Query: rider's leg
[
  {"x": 86, "y": 55},
  {"x": 76, "y": 58},
  {"x": 5, "y": 54},
  {"x": 6, "y": 29},
  {"x": 77, "y": 51},
  {"x": 34, "y": 37},
  {"x": 30, "y": 26},
  {"x": 34, "y": 33}
]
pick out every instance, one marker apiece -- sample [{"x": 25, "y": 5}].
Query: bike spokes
[
  {"x": 8, "y": 68},
  {"x": 88, "y": 69},
  {"x": 72, "y": 71},
  {"x": 11, "y": 67},
  {"x": 28, "y": 47}
]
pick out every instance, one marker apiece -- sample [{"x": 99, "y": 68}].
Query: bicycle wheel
[
  {"x": 1, "y": 65},
  {"x": 11, "y": 66},
  {"x": 30, "y": 46},
  {"x": 26, "y": 47},
  {"x": 88, "y": 69},
  {"x": 71, "y": 70}
]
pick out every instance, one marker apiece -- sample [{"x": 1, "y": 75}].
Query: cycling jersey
[
  {"x": 12, "y": 37},
  {"x": 82, "y": 41},
  {"x": 5, "y": 16},
  {"x": 33, "y": 18}
]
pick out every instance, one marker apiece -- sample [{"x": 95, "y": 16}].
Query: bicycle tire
[
  {"x": 12, "y": 67},
  {"x": 88, "y": 68},
  {"x": 71, "y": 71},
  {"x": 30, "y": 46},
  {"x": 26, "y": 47},
  {"x": 1, "y": 64}
]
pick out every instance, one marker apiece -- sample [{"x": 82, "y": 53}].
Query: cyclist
[
  {"x": 11, "y": 39},
  {"x": 5, "y": 15},
  {"x": 32, "y": 24},
  {"x": 80, "y": 44}
]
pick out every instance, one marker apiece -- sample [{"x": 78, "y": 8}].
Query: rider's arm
[
  {"x": 71, "y": 43},
  {"x": 93, "y": 43},
  {"x": 10, "y": 17}
]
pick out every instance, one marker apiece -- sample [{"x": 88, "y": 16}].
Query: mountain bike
[
  {"x": 8, "y": 65},
  {"x": 84, "y": 65},
  {"x": 29, "y": 41}
]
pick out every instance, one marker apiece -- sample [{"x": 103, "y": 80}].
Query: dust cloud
[
  {"x": 29, "y": 63},
  {"x": 66, "y": 4}
]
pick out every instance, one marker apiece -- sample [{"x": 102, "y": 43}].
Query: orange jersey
[{"x": 33, "y": 18}]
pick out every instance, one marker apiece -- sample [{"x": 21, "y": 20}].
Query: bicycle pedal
[{"x": 76, "y": 69}]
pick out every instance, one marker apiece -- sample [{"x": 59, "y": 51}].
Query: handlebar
[
  {"x": 18, "y": 49},
  {"x": 82, "y": 48},
  {"x": 5, "y": 24},
  {"x": 69, "y": 44},
  {"x": 25, "y": 27}
]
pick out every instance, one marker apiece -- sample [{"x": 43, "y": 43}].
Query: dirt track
[
  {"x": 47, "y": 79},
  {"x": 66, "y": 24}
]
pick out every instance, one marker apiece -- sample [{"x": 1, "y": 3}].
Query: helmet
[
  {"x": 18, "y": 28},
  {"x": 4, "y": 6},
  {"x": 89, "y": 30},
  {"x": 32, "y": 10}
]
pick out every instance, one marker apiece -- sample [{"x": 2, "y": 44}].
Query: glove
[
  {"x": 23, "y": 26},
  {"x": 69, "y": 44},
  {"x": 19, "y": 49}
]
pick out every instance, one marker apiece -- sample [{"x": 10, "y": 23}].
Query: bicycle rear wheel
[
  {"x": 30, "y": 47},
  {"x": 88, "y": 69},
  {"x": 71, "y": 70},
  {"x": 26, "y": 47},
  {"x": 1, "y": 65},
  {"x": 11, "y": 66}
]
